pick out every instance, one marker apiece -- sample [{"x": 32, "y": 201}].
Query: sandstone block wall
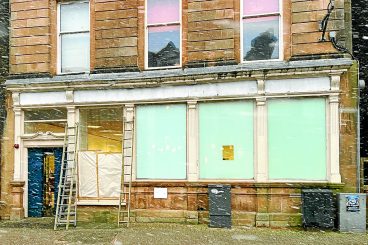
[
  {"x": 30, "y": 36},
  {"x": 210, "y": 33},
  {"x": 306, "y": 18}
]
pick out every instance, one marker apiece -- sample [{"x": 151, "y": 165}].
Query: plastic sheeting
[
  {"x": 99, "y": 174},
  {"x": 87, "y": 174},
  {"x": 109, "y": 174}
]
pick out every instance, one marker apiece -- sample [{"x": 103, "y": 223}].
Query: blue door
[{"x": 36, "y": 180}]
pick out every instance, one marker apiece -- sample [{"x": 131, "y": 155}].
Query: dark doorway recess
[{"x": 43, "y": 171}]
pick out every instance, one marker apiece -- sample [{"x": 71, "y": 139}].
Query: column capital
[
  {"x": 261, "y": 101},
  {"x": 129, "y": 107},
  {"x": 334, "y": 98},
  {"x": 17, "y": 111},
  {"x": 192, "y": 104},
  {"x": 70, "y": 109}
]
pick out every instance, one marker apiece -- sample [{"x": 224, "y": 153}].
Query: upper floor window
[
  {"x": 261, "y": 30},
  {"x": 163, "y": 39},
  {"x": 74, "y": 37}
]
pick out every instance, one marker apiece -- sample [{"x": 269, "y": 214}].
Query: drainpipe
[{"x": 361, "y": 84}]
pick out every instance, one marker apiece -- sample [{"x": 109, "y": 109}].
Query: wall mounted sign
[
  {"x": 227, "y": 152},
  {"x": 352, "y": 203},
  {"x": 160, "y": 193}
]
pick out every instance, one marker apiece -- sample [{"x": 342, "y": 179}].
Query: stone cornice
[{"x": 247, "y": 71}]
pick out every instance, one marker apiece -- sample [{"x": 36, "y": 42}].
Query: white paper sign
[{"x": 160, "y": 193}]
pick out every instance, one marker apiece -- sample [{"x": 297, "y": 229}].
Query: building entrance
[{"x": 43, "y": 171}]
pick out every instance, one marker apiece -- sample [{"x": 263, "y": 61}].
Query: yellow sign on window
[{"x": 227, "y": 152}]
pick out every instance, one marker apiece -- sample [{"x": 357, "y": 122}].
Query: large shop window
[
  {"x": 297, "y": 139},
  {"x": 100, "y": 156},
  {"x": 45, "y": 120},
  {"x": 163, "y": 33},
  {"x": 74, "y": 37},
  {"x": 161, "y": 141},
  {"x": 226, "y": 140},
  {"x": 261, "y": 29}
]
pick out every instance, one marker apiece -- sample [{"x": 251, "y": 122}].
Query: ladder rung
[
  {"x": 66, "y": 213},
  {"x": 123, "y": 221}
]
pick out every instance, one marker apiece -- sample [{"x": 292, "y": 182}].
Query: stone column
[
  {"x": 261, "y": 149},
  {"x": 333, "y": 169},
  {"x": 192, "y": 145},
  {"x": 334, "y": 149},
  {"x": 17, "y": 190},
  {"x": 18, "y": 168}
]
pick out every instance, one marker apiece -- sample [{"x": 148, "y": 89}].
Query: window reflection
[
  {"x": 44, "y": 120},
  {"x": 260, "y": 38},
  {"x": 163, "y": 46},
  {"x": 101, "y": 129}
]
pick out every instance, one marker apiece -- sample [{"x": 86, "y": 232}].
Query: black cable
[
  {"x": 324, "y": 22},
  {"x": 341, "y": 48}
]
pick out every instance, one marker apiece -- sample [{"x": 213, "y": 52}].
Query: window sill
[
  {"x": 73, "y": 73},
  {"x": 163, "y": 68}
]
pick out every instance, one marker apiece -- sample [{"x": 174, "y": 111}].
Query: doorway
[{"x": 43, "y": 179}]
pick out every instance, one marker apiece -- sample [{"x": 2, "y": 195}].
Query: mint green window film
[
  {"x": 225, "y": 125},
  {"x": 297, "y": 139},
  {"x": 161, "y": 141}
]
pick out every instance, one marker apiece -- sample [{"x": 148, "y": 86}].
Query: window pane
[
  {"x": 297, "y": 139},
  {"x": 35, "y": 127},
  {"x": 255, "y": 7},
  {"x": 162, "y": 11},
  {"x": 164, "y": 46},
  {"x": 161, "y": 142},
  {"x": 75, "y": 52},
  {"x": 101, "y": 129},
  {"x": 74, "y": 17},
  {"x": 226, "y": 140},
  {"x": 45, "y": 114},
  {"x": 261, "y": 38}
]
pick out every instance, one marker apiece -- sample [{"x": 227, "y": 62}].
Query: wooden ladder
[{"x": 66, "y": 209}]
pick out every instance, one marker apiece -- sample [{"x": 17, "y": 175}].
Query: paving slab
[{"x": 40, "y": 231}]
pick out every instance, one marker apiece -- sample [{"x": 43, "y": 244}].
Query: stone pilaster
[
  {"x": 192, "y": 145},
  {"x": 18, "y": 168},
  {"x": 333, "y": 169},
  {"x": 17, "y": 190},
  {"x": 261, "y": 161}
]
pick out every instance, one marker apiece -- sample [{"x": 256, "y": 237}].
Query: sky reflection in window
[{"x": 164, "y": 46}]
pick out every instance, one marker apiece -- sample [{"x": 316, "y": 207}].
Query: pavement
[{"x": 40, "y": 231}]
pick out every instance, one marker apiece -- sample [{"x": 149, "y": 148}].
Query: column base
[
  {"x": 17, "y": 210},
  {"x": 335, "y": 178}
]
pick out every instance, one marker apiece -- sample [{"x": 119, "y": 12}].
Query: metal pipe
[{"x": 361, "y": 84}]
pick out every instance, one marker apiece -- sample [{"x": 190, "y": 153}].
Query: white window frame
[
  {"x": 59, "y": 34},
  {"x": 146, "y": 26},
  {"x": 281, "y": 40}
]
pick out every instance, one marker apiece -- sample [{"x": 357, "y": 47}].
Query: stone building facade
[
  {"x": 4, "y": 62},
  {"x": 236, "y": 92}
]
